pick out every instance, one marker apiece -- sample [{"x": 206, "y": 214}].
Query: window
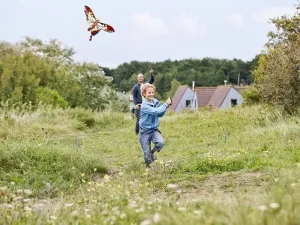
[
  {"x": 187, "y": 103},
  {"x": 233, "y": 102}
]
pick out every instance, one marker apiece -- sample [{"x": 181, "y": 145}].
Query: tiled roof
[
  {"x": 204, "y": 95},
  {"x": 219, "y": 96},
  {"x": 177, "y": 96}
]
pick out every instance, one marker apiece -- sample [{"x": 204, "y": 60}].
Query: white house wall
[
  {"x": 187, "y": 95},
  {"x": 232, "y": 94},
  {"x": 195, "y": 101}
]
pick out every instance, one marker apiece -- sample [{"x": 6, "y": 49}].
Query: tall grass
[{"x": 234, "y": 166}]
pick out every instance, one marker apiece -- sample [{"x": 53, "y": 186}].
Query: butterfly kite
[{"x": 95, "y": 26}]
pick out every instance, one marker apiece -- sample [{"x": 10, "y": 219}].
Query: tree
[
  {"x": 277, "y": 80},
  {"x": 174, "y": 86}
]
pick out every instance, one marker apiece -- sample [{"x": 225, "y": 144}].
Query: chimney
[{"x": 193, "y": 86}]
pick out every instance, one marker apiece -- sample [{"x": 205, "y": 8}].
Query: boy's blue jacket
[{"x": 150, "y": 112}]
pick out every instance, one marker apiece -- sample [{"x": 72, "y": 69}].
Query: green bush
[{"x": 51, "y": 97}]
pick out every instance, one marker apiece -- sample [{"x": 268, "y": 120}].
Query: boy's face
[{"x": 149, "y": 93}]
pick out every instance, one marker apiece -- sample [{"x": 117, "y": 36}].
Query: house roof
[
  {"x": 219, "y": 96},
  {"x": 177, "y": 96},
  {"x": 241, "y": 89},
  {"x": 204, "y": 94}
]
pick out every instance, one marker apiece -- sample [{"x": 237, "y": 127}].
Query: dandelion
[
  {"x": 274, "y": 205},
  {"x": 156, "y": 218}
]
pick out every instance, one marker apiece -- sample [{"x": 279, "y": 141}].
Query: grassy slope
[{"x": 74, "y": 165}]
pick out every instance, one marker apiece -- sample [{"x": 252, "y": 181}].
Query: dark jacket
[{"x": 136, "y": 91}]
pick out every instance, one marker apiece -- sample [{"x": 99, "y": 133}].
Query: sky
[{"x": 153, "y": 31}]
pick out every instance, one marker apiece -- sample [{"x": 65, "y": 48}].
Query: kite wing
[
  {"x": 107, "y": 27},
  {"x": 90, "y": 17}
]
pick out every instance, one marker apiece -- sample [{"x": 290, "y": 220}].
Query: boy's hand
[{"x": 169, "y": 101}]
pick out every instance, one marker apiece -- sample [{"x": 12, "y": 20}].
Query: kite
[{"x": 95, "y": 26}]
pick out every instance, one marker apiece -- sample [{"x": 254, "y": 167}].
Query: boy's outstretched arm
[{"x": 155, "y": 111}]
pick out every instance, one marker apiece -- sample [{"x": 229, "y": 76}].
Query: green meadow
[{"x": 75, "y": 166}]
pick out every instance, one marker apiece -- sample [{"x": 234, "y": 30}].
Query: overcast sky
[{"x": 153, "y": 30}]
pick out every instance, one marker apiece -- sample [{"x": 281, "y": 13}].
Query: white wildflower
[
  {"x": 69, "y": 204},
  {"x": 274, "y": 205},
  {"x": 53, "y": 217},
  {"x": 27, "y": 191},
  {"x": 27, "y": 208},
  {"x": 181, "y": 209},
  {"x": 123, "y": 215},
  {"x": 262, "y": 208},
  {"x": 146, "y": 222},
  {"x": 172, "y": 186},
  {"x": 156, "y": 218},
  {"x": 197, "y": 212}
]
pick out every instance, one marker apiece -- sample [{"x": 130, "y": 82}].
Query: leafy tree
[
  {"x": 277, "y": 80},
  {"x": 174, "y": 86}
]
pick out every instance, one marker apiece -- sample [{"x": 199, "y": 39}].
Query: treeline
[
  {"x": 45, "y": 73},
  {"x": 205, "y": 72}
]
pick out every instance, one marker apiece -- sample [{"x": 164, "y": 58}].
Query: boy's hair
[{"x": 144, "y": 88}]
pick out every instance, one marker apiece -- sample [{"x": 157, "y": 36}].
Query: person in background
[
  {"x": 132, "y": 106},
  {"x": 137, "y": 96}
]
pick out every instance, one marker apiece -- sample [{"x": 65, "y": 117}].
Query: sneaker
[
  {"x": 148, "y": 166},
  {"x": 153, "y": 150}
]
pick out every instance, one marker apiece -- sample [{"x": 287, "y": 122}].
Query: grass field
[{"x": 235, "y": 166}]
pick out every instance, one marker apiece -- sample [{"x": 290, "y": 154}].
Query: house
[
  {"x": 223, "y": 96},
  {"x": 182, "y": 99}
]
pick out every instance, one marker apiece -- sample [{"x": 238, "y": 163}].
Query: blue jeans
[{"x": 146, "y": 138}]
